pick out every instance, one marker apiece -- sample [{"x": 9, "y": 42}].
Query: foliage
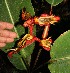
[
  {"x": 10, "y": 11},
  {"x": 60, "y": 54},
  {"x": 54, "y": 2}
]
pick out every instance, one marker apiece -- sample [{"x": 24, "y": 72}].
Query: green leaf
[
  {"x": 60, "y": 54},
  {"x": 10, "y": 11},
  {"x": 54, "y": 2},
  {"x": 29, "y": 8},
  {"x": 27, "y": 50},
  {"x": 17, "y": 61}
]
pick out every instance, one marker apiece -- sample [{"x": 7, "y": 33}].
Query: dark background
[{"x": 41, "y": 6}]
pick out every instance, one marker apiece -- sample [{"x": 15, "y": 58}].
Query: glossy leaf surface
[
  {"x": 60, "y": 54},
  {"x": 17, "y": 61}
]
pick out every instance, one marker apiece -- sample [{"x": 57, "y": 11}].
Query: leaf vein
[
  {"x": 65, "y": 58},
  {"x": 11, "y": 17}
]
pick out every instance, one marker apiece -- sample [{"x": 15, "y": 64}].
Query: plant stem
[
  {"x": 49, "y": 62},
  {"x": 40, "y": 66},
  {"x": 37, "y": 58},
  {"x": 51, "y": 10}
]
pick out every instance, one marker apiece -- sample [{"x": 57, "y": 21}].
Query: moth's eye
[{"x": 28, "y": 38}]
